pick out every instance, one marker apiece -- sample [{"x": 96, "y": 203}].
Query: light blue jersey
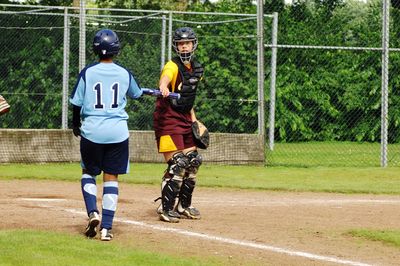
[{"x": 101, "y": 91}]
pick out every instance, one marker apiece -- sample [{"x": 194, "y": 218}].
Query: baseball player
[
  {"x": 4, "y": 106},
  {"x": 172, "y": 124},
  {"x": 99, "y": 100}
]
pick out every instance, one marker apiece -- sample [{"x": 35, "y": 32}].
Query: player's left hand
[
  {"x": 200, "y": 134},
  {"x": 76, "y": 131}
]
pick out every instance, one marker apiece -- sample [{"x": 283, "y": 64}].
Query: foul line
[
  {"x": 42, "y": 199},
  {"x": 243, "y": 243},
  {"x": 247, "y": 244}
]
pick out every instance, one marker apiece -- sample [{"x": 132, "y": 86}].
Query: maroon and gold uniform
[
  {"x": 173, "y": 119},
  {"x": 172, "y": 127}
]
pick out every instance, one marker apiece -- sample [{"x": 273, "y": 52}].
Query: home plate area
[{"x": 239, "y": 227}]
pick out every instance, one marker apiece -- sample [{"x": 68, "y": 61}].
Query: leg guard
[
  {"x": 172, "y": 180},
  {"x": 170, "y": 187},
  {"x": 185, "y": 194},
  {"x": 195, "y": 160},
  {"x": 178, "y": 164},
  {"x": 169, "y": 192},
  {"x": 189, "y": 182}
]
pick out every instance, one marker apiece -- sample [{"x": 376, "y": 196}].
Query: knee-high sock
[
  {"x": 110, "y": 200},
  {"x": 89, "y": 192}
]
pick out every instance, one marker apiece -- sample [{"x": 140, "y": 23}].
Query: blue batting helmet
[{"x": 106, "y": 43}]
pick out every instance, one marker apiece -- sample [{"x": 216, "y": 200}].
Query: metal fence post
[
  {"x": 260, "y": 69},
  {"x": 82, "y": 34},
  {"x": 272, "y": 95},
  {"x": 169, "y": 36},
  {"x": 64, "y": 120},
  {"x": 163, "y": 39},
  {"x": 385, "y": 75}
]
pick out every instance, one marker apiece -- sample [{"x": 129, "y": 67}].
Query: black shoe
[
  {"x": 170, "y": 216},
  {"x": 190, "y": 213},
  {"x": 91, "y": 229}
]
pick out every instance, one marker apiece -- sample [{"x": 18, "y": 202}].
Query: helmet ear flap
[
  {"x": 175, "y": 45},
  {"x": 195, "y": 42}
]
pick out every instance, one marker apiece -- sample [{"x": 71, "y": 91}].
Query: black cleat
[
  {"x": 170, "y": 216},
  {"x": 190, "y": 213},
  {"x": 91, "y": 229}
]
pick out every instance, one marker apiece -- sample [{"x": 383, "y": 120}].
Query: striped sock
[
  {"x": 110, "y": 200},
  {"x": 89, "y": 192}
]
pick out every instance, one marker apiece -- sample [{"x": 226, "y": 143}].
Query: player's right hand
[{"x": 164, "y": 91}]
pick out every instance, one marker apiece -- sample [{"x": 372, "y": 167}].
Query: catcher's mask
[
  {"x": 106, "y": 43},
  {"x": 182, "y": 35}
]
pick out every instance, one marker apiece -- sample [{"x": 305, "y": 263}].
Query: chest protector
[{"x": 190, "y": 80}]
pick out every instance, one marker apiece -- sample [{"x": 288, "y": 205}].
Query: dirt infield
[{"x": 239, "y": 227}]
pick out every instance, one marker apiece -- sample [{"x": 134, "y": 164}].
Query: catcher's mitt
[
  {"x": 4, "y": 106},
  {"x": 201, "y": 135}
]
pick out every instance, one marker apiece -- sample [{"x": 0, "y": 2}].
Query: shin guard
[
  {"x": 186, "y": 192},
  {"x": 172, "y": 180},
  {"x": 189, "y": 182},
  {"x": 169, "y": 192}
]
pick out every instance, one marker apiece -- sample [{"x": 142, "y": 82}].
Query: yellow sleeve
[{"x": 171, "y": 70}]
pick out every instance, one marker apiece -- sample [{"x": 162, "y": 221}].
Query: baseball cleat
[
  {"x": 190, "y": 213},
  {"x": 91, "y": 229},
  {"x": 106, "y": 234},
  {"x": 159, "y": 209},
  {"x": 170, "y": 216}
]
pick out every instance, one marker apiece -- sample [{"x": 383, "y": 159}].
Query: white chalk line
[
  {"x": 269, "y": 202},
  {"x": 296, "y": 202},
  {"x": 42, "y": 199},
  {"x": 232, "y": 241}
]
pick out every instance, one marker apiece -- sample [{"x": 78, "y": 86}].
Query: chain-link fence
[
  {"x": 32, "y": 72},
  {"x": 39, "y": 74},
  {"x": 336, "y": 85},
  {"x": 323, "y": 73}
]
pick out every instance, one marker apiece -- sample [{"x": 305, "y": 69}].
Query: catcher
[{"x": 173, "y": 121}]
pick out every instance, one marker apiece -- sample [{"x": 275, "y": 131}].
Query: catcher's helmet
[
  {"x": 184, "y": 34},
  {"x": 106, "y": 43}
]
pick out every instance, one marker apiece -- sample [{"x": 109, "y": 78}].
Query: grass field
[
  {"x": 371, "y": 180},
  {"x": 63, "y": 249},
  {"x": 328, "y": 154}
]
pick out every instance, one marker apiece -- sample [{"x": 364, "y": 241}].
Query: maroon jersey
[{"x": 166, "y": 120}]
